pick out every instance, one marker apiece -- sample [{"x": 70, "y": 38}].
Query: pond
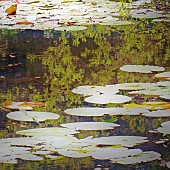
[{"x": 95, "y": 96}]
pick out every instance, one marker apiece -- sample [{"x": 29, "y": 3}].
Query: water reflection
[{"x": 46, "y": 66}]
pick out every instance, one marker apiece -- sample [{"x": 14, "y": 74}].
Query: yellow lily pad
[{"x": 149, "y": 105}]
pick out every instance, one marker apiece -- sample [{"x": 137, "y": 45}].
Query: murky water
[{"x": 45, "y": 66}]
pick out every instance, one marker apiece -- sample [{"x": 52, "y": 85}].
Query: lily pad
[
  {"x": 74, "y": 153},
  {"x": 166, "y": 97},
  {"x": 51, "y": 131},
  {"x": 163, "y": 83},
  {"x": 125, "y": 141},
  {"x": 154, "y": 91},
  {"x": 112, "y": 153},
  {"x": 93, "y": 90},
  {"x": 163, "y": 75},
  {"x": 90, "y": 125},
  {"x": 147, "y": 15},
  {"x": 13, "y": 149},
  {"x": 158, "y": 113},
  {"x": 98, "y": 111},
  {"x": 168, "y": 164},
  {"x": 114, "y": 23},
  {"x": 165, "y": 129},
  {"x": 143, "y": 157},
  {"x": 149, "y": 105},
  {"x": 107, "y": 98},
  {"x": 32, "y": 116},
  {"x": 141, "y": 68},
  {"x": 135, "y": 86}
]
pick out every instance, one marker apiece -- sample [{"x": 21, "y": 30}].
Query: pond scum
[{"x": 84, "y": 87}]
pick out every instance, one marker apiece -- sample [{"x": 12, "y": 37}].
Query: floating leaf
[
  {"x": 98, "y": 111},
  {"x": 73, "y": 153},
  {"x": 32, "y": 116},
  {"x": 163, "y": 75},
  {"x": 11, "y": 10},
  {"x": 168, "y": 164},
  {"x": 17, "y": 148},
  {"x": 143, "y": 157},
  {"x": 127, "y": 141},
  {"x": 163, "y": 83},
  {"x": 114, "y": 153},
  {"x": 141, "y": 68},
  {"x": 22, "y": 105},
  {"x": 114, "y": 23},
  {"x": 147, "y": 15},
  {"x": 90, "y": 125},
  {"x": 135, "y": 86},
  {"x": 149, "y": 105},
  {"x": 161, "y": 20},
  {"x": 107, "y": 98},
  {"x": 52, "y": 131},
  {"x": 166, "y": 97},
  {"x": 24, "y": 23},
  {"x": 165, "y": 128},
  {"x": 92, "y": 90},
  {"x": 158, "y": 113},
  {"x": 154, "y": 91}
]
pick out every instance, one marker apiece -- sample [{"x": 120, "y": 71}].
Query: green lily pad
[
  {"x": 163, "y": 75},
  {"x": 13, "y": 149},
  {"x": 32, "y": 116},
  {"x": 90, "y": 125},
  {"x": 93, "y": 90},
  {"x": 107, "y": 98},
  {"x": 147, "y": 15},
  {"x": 155, "y": 91},
  {"x": 74, "y": 153},
  {"x": 114, "y": 23},
  {"x": 165, "y": 96},
  {"x": 98, "y": 111},
  {"x": 52, "y": 131},
  {"x": 125, "y": 141},
  {"x": 163, "y": 83},
  {"x": 114, "y": 153},
  {"x": 161, "y": 20},
  {"x": 135, "y": 86},
  {"x": 165, "y": 129},
  {"x": 149, "y": 105},
  {"x": 158, "y": 113},
  {"x": 143, "y": 157},
  {"x": 141, "y": 68}
]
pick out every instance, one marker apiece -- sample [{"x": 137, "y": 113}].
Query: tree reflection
[{"x": 94, "y": 56}]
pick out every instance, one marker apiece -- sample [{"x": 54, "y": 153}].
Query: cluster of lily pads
[
  {"x": 55, "y": 142},
  {"x": 70, "y": 15}
]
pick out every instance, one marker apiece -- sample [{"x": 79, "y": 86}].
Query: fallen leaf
[
  {"x": 25, "y": 22},
  {"x": 11, "y": 10}
]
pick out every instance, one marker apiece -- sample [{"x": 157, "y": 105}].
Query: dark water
[{"x": 46, "y": 65}]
